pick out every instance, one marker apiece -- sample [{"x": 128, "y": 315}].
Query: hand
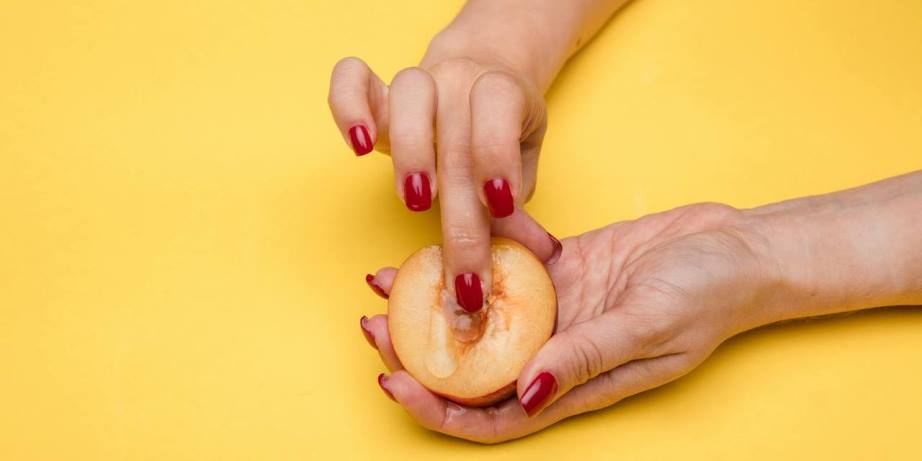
[
  {"x": 639, "y": 304},
  {"x": 489, "y": 121}
]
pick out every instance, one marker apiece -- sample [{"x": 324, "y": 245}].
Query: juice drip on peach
[{"x": 465, "y": 326}]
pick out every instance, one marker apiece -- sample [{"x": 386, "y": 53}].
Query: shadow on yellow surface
[{"x": 183, "y": 233}]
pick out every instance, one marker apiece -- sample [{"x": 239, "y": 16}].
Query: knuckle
[
  {"x": 461, "y": 238},
  {"x": 586, "y": 359},
  {"x": 457, "y": 68},
  {"x": 413, "y": 77},
  {"x": 456, "y": 163},
  {"x": 495, "y": 145},
  {"x": 497, "y": 82},
  {"x": 349, "y": 65},
  {"x": 611, "y": 392},
  {"x": 413, "y": 138},
  {"x": 651, "y": 329}
]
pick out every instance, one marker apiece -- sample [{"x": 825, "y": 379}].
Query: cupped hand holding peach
[{"x": 638, "y": 304}]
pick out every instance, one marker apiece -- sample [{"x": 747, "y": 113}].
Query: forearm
[
  {"x": 534, "y": 37},
  {"x": 843, "y": 251}
]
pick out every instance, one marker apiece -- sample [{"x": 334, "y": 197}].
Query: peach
[{"x": 472, "y": 359}]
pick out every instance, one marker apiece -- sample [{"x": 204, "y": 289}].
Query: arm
[
  {"x": 642, "y": 303},
  {"x": 843, "y": 251},
  {"x": 534, "y": 37}
]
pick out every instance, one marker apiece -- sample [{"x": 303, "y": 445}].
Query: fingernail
[
  {"x": 382, "y": 381},
  {"x": 499, "y": 197},
  {"x": 416, "y": 191},
  {"x": 558, "y": 248},
  {"x": 361, "y": 140},
  {"x": 538, "y": 392},
  {"x": 369, "y": 336},
  {"x": 370, "y": 280},
  {"x": 469, "y": 292}
]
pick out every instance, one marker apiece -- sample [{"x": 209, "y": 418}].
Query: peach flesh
[{"x": 477, "y": 366}]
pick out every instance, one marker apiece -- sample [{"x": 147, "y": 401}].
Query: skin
[
  {"x": 641, "y": 303},
  {"x": 475, "y": 107}
]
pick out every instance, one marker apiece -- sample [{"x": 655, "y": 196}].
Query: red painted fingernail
[
  {"x": 538, "y": 392},
  {"x": 558, "y": 248},
  {"x": 469, "y": 292},
  {"x": 382, "y": 381},
  {"x": 370, "y": 280},
  {"x": 416, "y": 191},
  {"x": 369, "y": 336},
  {"x": 361, "y": 141},
  {"x": 499, "y": 197}
]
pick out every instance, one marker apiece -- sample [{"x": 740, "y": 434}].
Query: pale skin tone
[
  {"x": 475, "y": 107},
  {"x": 640, "y": 303}
]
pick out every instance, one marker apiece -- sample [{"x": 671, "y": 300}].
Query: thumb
[{"x": 575, "y": 356}]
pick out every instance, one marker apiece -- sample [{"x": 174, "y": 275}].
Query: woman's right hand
[{"x": 473, "y": 124}]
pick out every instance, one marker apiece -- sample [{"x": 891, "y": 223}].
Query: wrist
[
  {"x": 533, "y": 51},
  {"x": 839, "y": 252}
]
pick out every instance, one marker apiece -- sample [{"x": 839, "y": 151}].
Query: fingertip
[
  {"x": 383, "y": 384},
  {"x": 417, "y": 191},
  {"x": 377, "y": 327},
  {"x": 376, "y": 287},
  {"x": 410, "y": 393},
  {"x": 360, "y": 140},
  {"x": 539, "y": 393},
  {"x": 366, "y": 331},
  {"x": 521, "y": 227},
  {"x": 384, "y": 278},
  {"x": 498, "y": 196},
  {"x": 557, "y": 249}
]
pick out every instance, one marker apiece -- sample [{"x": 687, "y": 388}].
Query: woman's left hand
[{"x": 640, "y": 304}]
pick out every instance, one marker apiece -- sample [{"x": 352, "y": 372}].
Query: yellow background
[{"x": 184, "y": 234}]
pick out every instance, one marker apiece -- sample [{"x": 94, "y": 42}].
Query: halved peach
[{"x": 472, "y": 359}]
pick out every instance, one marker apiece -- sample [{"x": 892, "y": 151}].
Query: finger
[
  {"x": 521, "y": 227},
  {"x": 624, "y": 381},
  {"x": 577, "y": 355},
  {"x": 505, "y": 421},
  {"x": 465, "y": 223},
  {"x": 531, "y": 151},
  {"x": 382, "y": 281},
  {"x": 412, "y": 101},
  {"x": 497, "y": 111},
  {"x": 375, "y": 331},
  {"x": 438, "y": 414},
  {"x": 358, "y": 101}
]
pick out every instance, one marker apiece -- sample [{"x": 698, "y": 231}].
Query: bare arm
[{"x": 847, "y": 250}]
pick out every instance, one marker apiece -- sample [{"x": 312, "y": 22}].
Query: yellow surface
[{"x": 183, "y": 233}]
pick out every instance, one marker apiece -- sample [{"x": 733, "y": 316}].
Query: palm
[{"x": 644, "y": 260}]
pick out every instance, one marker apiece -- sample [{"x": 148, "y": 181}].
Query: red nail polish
[
  {"x": 382, "y": 381},
  {"x": 469, "y": 292},
  {"x": 558, "y": 249},
  {"x": 416, "y": 191},
  {"x": 499, "y": 197},
  {"x": 361, "y": 140},
  {"x": 538, "y": 392},
  {"x": 370, "y": 280},
  {"x": 369, "y": 336}
]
